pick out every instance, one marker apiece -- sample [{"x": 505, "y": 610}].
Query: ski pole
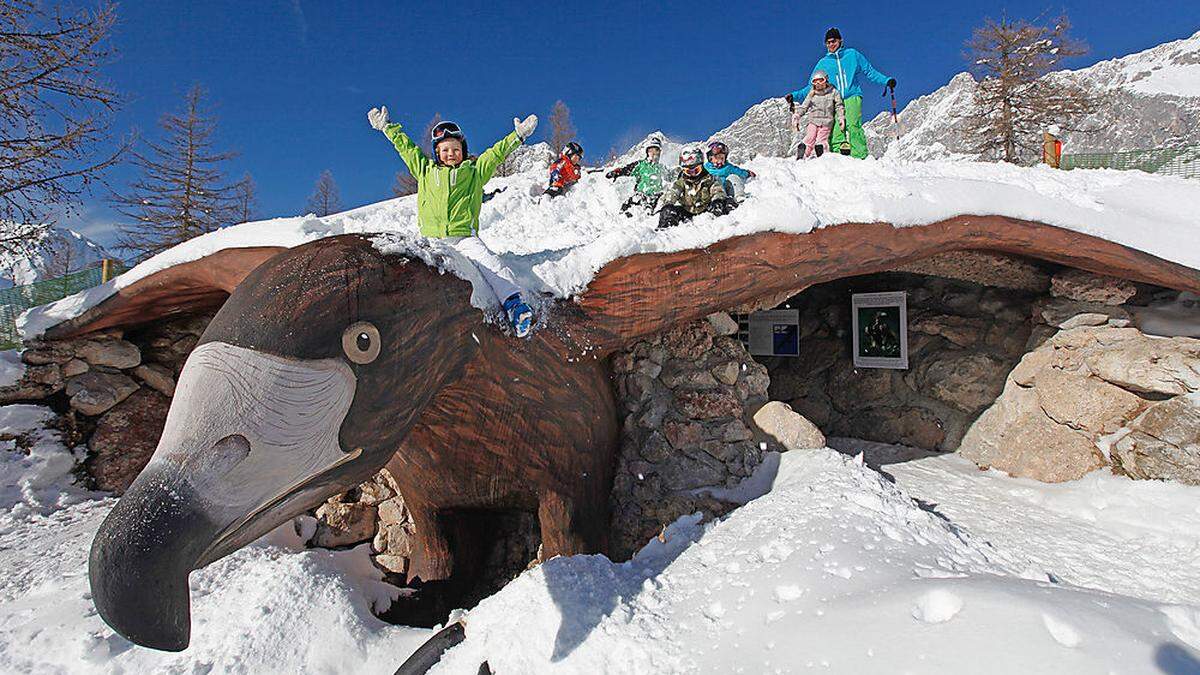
[{"x": 895, "y": 118}]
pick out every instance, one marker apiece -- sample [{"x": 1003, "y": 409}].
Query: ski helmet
[
  {"x": 654, "y": 142},
  {"x": 691, "y": 156},
  {"x": 443, "y": 130},
  {"x": 819, "y": 74},
  {"x": 572, "y": 148},
  {"x": 717, "y": 148}
]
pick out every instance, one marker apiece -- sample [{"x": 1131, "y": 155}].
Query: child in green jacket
[
  {"x": 450, "y": 195},
  {"x": 650, "y": 175}
]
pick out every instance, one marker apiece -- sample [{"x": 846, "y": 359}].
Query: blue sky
[{"x": 291, "y": 80}]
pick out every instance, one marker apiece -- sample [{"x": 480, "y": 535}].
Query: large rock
[
  {"x": 1087, "y": 287},
  {"x": 95, "y": 392},
  {"x": 110, "y": 352},
  {"x": 789, "y": 429},
  {"x": 344, "y": 524},
  {"x": 1164, "y": 442},
  {"x": 1064, "y": 401},
  {"x": 125, "y": 439},
  {"x": 1015, "y": 436}
]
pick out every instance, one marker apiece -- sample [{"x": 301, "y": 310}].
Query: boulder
[
  {"x": 1015, "y": 436},
  {"x": 787, "y": 427},
  {"x": 95, "y": 392},
  {"x": 1164, "y": 442},
  {"x": 110, "y": 352},
  {"x": 1084, "y": 286},
  {"x": 125, "y": 439},
  {"x": 1065, "y": 400},
  {"x": 343, "y": 524}
]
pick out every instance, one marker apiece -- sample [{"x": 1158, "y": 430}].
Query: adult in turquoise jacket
[{"x": 845, "y": 66}]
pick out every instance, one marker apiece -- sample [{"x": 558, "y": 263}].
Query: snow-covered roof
[{"x": 556, "y": 247}]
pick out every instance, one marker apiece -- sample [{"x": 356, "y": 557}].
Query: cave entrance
[{"x": 969, "y": 321}]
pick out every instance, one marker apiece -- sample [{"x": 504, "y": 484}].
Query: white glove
[
  {"x": 378, "y": 117},
  {"x": 524, "y": 129}
]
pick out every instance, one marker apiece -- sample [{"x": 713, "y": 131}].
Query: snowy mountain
[
  {"x": 60, "y": 252},
  {"x": 1148, "y": 99}
]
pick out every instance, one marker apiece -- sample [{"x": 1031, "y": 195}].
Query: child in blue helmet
[{"x": 733, "y": 177}]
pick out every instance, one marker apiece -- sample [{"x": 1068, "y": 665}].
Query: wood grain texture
[
  {"x": 644, "y": 294},
  {"x": 187, "y": 288}
]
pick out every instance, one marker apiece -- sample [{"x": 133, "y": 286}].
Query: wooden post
[
  {"x": 1051, "y": 149},
  {"x": 105, "y": 270}
]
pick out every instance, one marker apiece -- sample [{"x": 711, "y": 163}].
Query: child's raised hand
[
  {"x": 378, "y": 117},
  {"x": 524, "y": 128}
]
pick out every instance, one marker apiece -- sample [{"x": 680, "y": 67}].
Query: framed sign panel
[
  {"x": 775, "y": 333},
  {"x": 880, "y": 329}
]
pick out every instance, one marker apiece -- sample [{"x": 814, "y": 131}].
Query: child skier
[
  {"x": 565, "y": 171},
  {"x": 650, "y": 176},
  {"x": 815, "y": 116},
  {"x": 693, "y": 192},
  {"x": 449, "y": 196},
  {"x": 733, "y": 177}
]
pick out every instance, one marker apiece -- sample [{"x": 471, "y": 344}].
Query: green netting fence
[
  {"x": 17, "y": 299},
  {"x": 1183, "y": 162}
]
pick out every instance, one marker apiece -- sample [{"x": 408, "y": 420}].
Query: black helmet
[
  {"x": 572, "y": 148},
  {"x": 717, "y": 148},
  {"x": 443, "y": 130}
]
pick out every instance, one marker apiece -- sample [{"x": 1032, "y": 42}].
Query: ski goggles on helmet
[
  {"x": 444, "y": 130},
  {"x": 717, "y": 148},
  {"x": 693, "y": 170},
  {"x": 573, "y": 149}
]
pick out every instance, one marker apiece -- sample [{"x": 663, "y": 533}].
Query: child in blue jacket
[{"x": 733, "y": 177}]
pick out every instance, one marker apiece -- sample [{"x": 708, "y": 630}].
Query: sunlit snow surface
[
  {"x": 556, "y": 246},
  {"x": 834, "y": 568}
]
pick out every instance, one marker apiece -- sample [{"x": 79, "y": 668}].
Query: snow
[
  {"x": 832, "y": 567},
  {"x": 60, "y": 250},
  {"x": 11, "y": 367},
  {"x": 1168, "y": 69},
  {"x": 837, "y": 568},
  {"x": 271, "y": 607},
  {"x": 555, "y": 247},
  {"x": 1179, "y": 317}
]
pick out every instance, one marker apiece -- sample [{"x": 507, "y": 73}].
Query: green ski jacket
[{"x": 449, "y": 199}]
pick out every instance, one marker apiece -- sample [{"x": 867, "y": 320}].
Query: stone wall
[
  {"x": 687, "y": 400},
  {"x": 963, "y": 339},
  {"x": 113, "y": 387}
]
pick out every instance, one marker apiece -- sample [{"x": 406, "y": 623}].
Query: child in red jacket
[{"x": 565, "y": 171}]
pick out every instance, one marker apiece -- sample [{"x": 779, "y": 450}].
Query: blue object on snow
[{"x": 520, "y": 314}]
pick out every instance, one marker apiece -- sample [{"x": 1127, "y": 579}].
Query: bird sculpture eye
[{"x": 361, "y": 342}]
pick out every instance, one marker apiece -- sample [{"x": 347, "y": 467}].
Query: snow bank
[
  {"x": 1134, "y": 537},
  {"x": 271, "y": 607},
  {"x": 555, "y": 247},
  {"x": 835, "y": 568}
]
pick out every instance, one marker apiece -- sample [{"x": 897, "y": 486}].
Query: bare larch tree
[
  {"x": 426, "y": 139},
  {"x": 1018, "y": 96},
  {"x": 245, "y": 199},
  {"x": 54, "y": 114},
  {"x": 182, "y": 191},
  {"x": 562, "y": 131},
  {"x": 325, "y": 198},
  {"x": 404, "y": 184}
]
